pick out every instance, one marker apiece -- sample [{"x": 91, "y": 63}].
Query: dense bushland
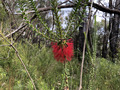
[
  {"x": 48, "y": 74},
  {"x": 27, "y": 27}
]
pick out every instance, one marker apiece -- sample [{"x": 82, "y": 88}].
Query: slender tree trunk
[
  {"x": 76, "y": 45},
  {"x": 105, "y": 40},
  {"x": 81, "y": 40}
]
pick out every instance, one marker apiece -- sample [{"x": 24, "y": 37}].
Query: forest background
[{"x": 27, "y": 28}]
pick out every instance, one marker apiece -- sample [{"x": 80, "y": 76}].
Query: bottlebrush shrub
[{"x": 63, "y": 50}]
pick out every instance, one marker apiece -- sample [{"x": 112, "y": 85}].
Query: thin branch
[
  {"x": 63, "y": 2},
  {"x": 66, "y": 2},
  {"x": 83, "y": 54}
]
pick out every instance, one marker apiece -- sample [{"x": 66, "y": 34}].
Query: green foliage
[
  {"x": 12, "y": 73},
  {"x": 2, "y": 12},
  {"x": 107, "y": 75},
  {"x": 6, "y": 54},
  {"x": 48, "y": 73}
]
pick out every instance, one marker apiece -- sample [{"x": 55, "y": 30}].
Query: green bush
[{"x": 107, "y": 75}]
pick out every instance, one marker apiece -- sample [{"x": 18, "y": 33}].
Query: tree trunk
[{"x": 114, "y": 32}]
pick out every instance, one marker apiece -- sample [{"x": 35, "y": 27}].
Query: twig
[
  {"x": 17, "y": 53},
  {"x": 83, "y": 55},
  {"x": 66, "y": 2},
  {"x": 63, "y": 2}
]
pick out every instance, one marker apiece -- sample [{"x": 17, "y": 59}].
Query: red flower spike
[{"x": 63, "y": 51}]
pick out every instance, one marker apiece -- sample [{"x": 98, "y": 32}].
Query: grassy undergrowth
[{"x": 48, "y": 73}]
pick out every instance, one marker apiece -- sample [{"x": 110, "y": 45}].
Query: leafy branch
[
  {"x": 76, "y": 14},
  {"x": 41, "y": 20},
  {"x": 32, "y": 26},
  {"x": 55, "y": 12}
]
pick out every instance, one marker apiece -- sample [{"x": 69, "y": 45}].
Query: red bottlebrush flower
[{"x": 63, "y": 50}]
